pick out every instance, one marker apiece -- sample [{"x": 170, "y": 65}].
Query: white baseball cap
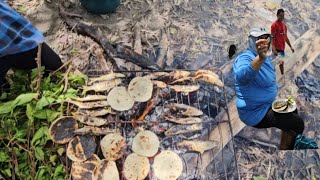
[{"x": 258, "y": 31}]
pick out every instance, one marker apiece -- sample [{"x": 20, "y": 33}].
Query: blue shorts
[{"x": 281, "y": 53}]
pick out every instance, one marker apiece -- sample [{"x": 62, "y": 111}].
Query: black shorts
[
  {"x": 289, "y": 122},
  {"x": 26, "y": 60}
]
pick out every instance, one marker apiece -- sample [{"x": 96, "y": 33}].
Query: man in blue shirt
[
  {"x": 256, "y": 88},
  {"x": 19, "y": 41}
]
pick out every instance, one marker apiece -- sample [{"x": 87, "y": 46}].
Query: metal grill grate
[{"x": 210, "y": 99}]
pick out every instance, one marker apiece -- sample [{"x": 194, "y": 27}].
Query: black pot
[{"x": 100, "y": 6}]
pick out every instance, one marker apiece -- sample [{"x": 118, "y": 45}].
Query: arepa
[
  {"x": 81, "y": 148},
  {"x": 136, "y": 167},
  {"x": 106, "y": 170},
  {"x": 62, "y": 130},
  {"x": 112, "y": 145},
  {"x": 146, "y": 143},
  {"x": 140, "y": 89},
  {"x": 84, "y": 170},
  {"x": 119, "y": 99},
  {"x": 167, "y": 165}
]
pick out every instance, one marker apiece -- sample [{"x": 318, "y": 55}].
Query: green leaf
[
  {"x": 43, "y": 102},
  {"x": 53, "y": 159},
  {"x": 59, "y": 172},
  {"x": 4, "y": 157},
  {"x": 6, "y": 107},
  {"x": 39, "y": 153},
  {"x": 47, "y": 114},
  {"x": 60, "y": 151},
  {"x": 259, "y": 178},
  {"x": 8, "y": 172},
  {"x": 39, "y": 134},
  {"x": 29, "y": 111},
  {"x": 24, "y": 99}
]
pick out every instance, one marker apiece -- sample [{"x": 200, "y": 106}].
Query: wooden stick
[{"x": 38, "y": 60}]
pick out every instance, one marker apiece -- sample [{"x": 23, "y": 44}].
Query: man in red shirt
[{"x": 279, "y": 33}]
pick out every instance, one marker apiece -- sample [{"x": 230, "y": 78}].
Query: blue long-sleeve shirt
[
  {"x": 255, "y": 90},
  {"x": 16, "y": 33}
]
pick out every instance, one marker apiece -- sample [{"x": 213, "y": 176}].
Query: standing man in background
[{"x": 279, "y": 34}]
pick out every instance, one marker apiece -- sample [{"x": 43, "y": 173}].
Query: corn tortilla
[
  {"x": 167, "y": 165},
  {"x": 140, "y": 89},
  {"x": 146, "y": 143},
  {"x": 62, "y": 130},
  {"x": 112, "y": 145},
  {"x": 119, "y": 99},
  {"x": 136, "y": 167}
]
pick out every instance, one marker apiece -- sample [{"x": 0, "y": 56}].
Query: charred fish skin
[{"x": 95, "y": 131}]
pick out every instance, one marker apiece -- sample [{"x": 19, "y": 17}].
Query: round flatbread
[
  {"x": 112, "y": 146},
  {"x": 62, "y": 130},
  {"x": 107, "y": 170},
  {"x": 136, "y": 167},
  {"x": 81, "y": 148},
  {"x": 140, "y": 89},
  {"x": 146, "y": 143},
  {"x": 84, "y": 170},
  {"x": 167, "y": 166},
  {"x": 119, "y": 99}
]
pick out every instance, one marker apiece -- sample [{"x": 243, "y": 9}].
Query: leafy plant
[{"x": 26, "y": 149}]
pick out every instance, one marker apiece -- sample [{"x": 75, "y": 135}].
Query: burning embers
[{"x": 163, "y": 106}]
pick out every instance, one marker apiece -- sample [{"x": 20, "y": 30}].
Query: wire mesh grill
[{"x": 210, "y": 99}]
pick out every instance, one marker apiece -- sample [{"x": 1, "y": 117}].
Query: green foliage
[{"x": 25, "y": 116}]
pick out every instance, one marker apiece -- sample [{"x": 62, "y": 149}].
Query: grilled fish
[
  {"x": 95, "y": 131},
  {"x": 178, "y": 74},
  {"x": 184, "y": 88},
  {"x": 157, "y": 75},
  {"x": 206, "y": 72},
  {"x": 159, "y": 84},
  {"x": 89, "y": 120},
  {"x": 198, "y": 145},
  {"x": 97, "y": 112},
  {"x": 188, "y": 110},
  {"x": 91, "y": 98},
  {"x": 209, "y": 79},
  {"x": 89, "y": 105},
  {"x": 106, "y": 77},
  {"x": 189, "y": 120},
  {"x": 182, "y": 80},
  {"x": 102, "y": 86},
  {"x": 183, "y": 129}
]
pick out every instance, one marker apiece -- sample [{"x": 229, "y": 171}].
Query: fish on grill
[
  {"x": 106, "y": 77},
  {"x": 89, "y": 120},
  {"x": 89, "y": 105},
  {"x": 185, "y": 88},
  {"x": 91, "y": 98},
  {"x": 185, "y": 109},
  {"x": 157, "y": 75},
  {"x": 209, "y": 72},
  {"x": 182, "y": 80},
  {"x": 159, "y": 84},
  {"x": 95, "y": 131},
  {"x": 178, "y": 74},
  {"x": 183, "y": 129},
  {"x": 209, "y": 79},
  {"x": 188, "y": 120},
  {"x": 197, "y": 145},
  {"x": 96, "y": 112},
  {"x": 102, "y": 86}
]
